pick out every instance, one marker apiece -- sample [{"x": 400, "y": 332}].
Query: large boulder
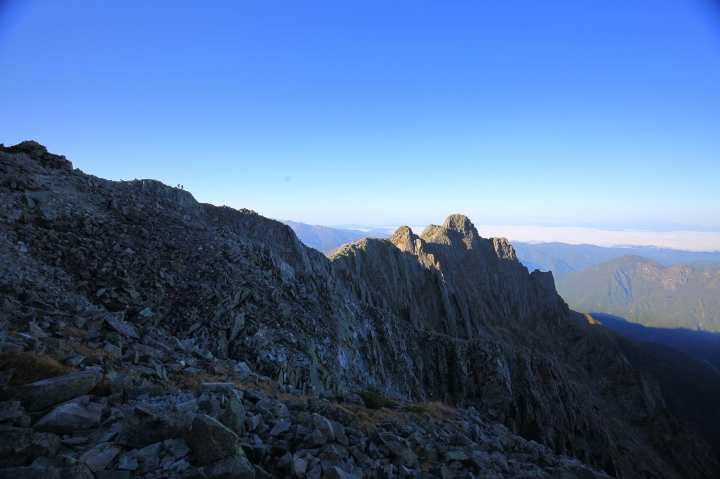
[
  {"x": 211, "y": 441},
  {"x": 49, "y": 392},
  {"x": 21, "y": 446},
  {"x": 69, "y": 417},
  {"x": 150, "y": 425}
]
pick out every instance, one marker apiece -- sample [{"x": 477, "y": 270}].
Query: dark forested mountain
[
  {"x": 326, "y": 240},
  {"x": 690, "y": 384},
  {"x": 646, "y": 292},
  {"x": 142, "y": 332},
  {"x": 702, "y": 346},
  {"x": 562, "y": 258}
]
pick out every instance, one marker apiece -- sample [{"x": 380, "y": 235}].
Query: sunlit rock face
[
  {"x": 451, "y": 280},
  {"x": 139, "y": 282}
]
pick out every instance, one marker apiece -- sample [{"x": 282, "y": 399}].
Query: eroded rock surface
[{"x": 197, "y": 341}]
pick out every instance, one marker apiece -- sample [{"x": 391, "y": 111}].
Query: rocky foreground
[{"x": 143, "y": 334}]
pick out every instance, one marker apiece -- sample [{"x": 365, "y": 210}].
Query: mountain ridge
[
  {"x": 560, "y": 258},
  {"x": 144, "y": 270}
]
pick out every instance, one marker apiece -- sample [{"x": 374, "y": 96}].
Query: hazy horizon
[{"x": 705, "y": 241}]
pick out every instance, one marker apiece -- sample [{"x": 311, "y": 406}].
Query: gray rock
[
  {"x": 50, "y": 472},
  {"x": 334, "y": 472},
  {"x": 402, "y": 451},
  {"x": 440, "y": 471},
  {"x": 500, "y": 461},
  {"x": 179, "y": 466},
  {"x": 329, "y": 395},
  {"x": 10, "y": 411},
  {"x": 177, "y": 447},
  {"x": 323, "y": 425},
  {"x": 460, "y": 456},
  {"x": 148, "y": 465},
  {"x": 127, "y": 462},
  {"x": 152, "y": 426},
  {"x": 148, "y": 451},
  {"x": 285, "y": 462},
  {"x": 20, "y": 446},
  {"x": 218, "y": 386},
  {"x": 298, "y": 467},
  {"x": 315, "y": 438},
  {"x": 112, "y": 475},
  {"x": 261, "y": 473},
  {"x": 233, "y": 416},
  {"x": 236, "y": 467},
  {"x": 98, "y": 457},
  {"x": 210, "y": 440},
  {"x": 8, "y": 350},
  {"x": 280, "y": 410},
  {"x": 314, "y": 472},
  {"x": 115, "y": 320},
  {"x": 49, "y": 392},
  {"x": 69, "y": 417},
  {"x": 280, "y": 427}
]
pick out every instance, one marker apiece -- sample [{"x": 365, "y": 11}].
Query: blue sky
[{"x": 382, "y": 113}]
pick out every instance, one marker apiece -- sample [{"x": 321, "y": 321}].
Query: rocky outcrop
[
  {"x": 452, "y": 281},
  {"x": 494, "y": 335},
  {"x": 165, "y": 307}
]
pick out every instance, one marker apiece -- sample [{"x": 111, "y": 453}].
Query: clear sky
[{"x": 382, "y": 113}]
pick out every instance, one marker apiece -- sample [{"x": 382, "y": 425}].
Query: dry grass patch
[
  {"x": 375, "y": 400},
  {"x": 366, "y": 418},
  {"x": 75, "y": 332},
  {"x": 195, "y": 382},
  {"x": 270, "y": 389},
  {"x": 436, "y": 409},
  {"x": 83, "y": 350},
  {"x": 30, "y": 368}
]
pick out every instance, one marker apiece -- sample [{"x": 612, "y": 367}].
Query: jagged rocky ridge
[{"x": 149, "y": 293}]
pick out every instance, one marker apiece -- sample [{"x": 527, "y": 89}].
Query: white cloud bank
[{"x": 683, "y": 240}]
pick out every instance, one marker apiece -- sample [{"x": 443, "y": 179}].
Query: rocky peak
[
  {"x": 504, "y": 249},
  {"x": 405, "y": 240},
  {"x": 37, "y": 152},
  {"x": 461, "y": 224}
]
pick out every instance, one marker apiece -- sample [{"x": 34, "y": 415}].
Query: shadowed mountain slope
[{"x": 686, "y": 365}]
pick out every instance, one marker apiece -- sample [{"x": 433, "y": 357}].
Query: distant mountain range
[
  {"x": 326, "y": 240},
  {"x": 562, "y": 259},
  {"x": 646, "y": 292}
]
